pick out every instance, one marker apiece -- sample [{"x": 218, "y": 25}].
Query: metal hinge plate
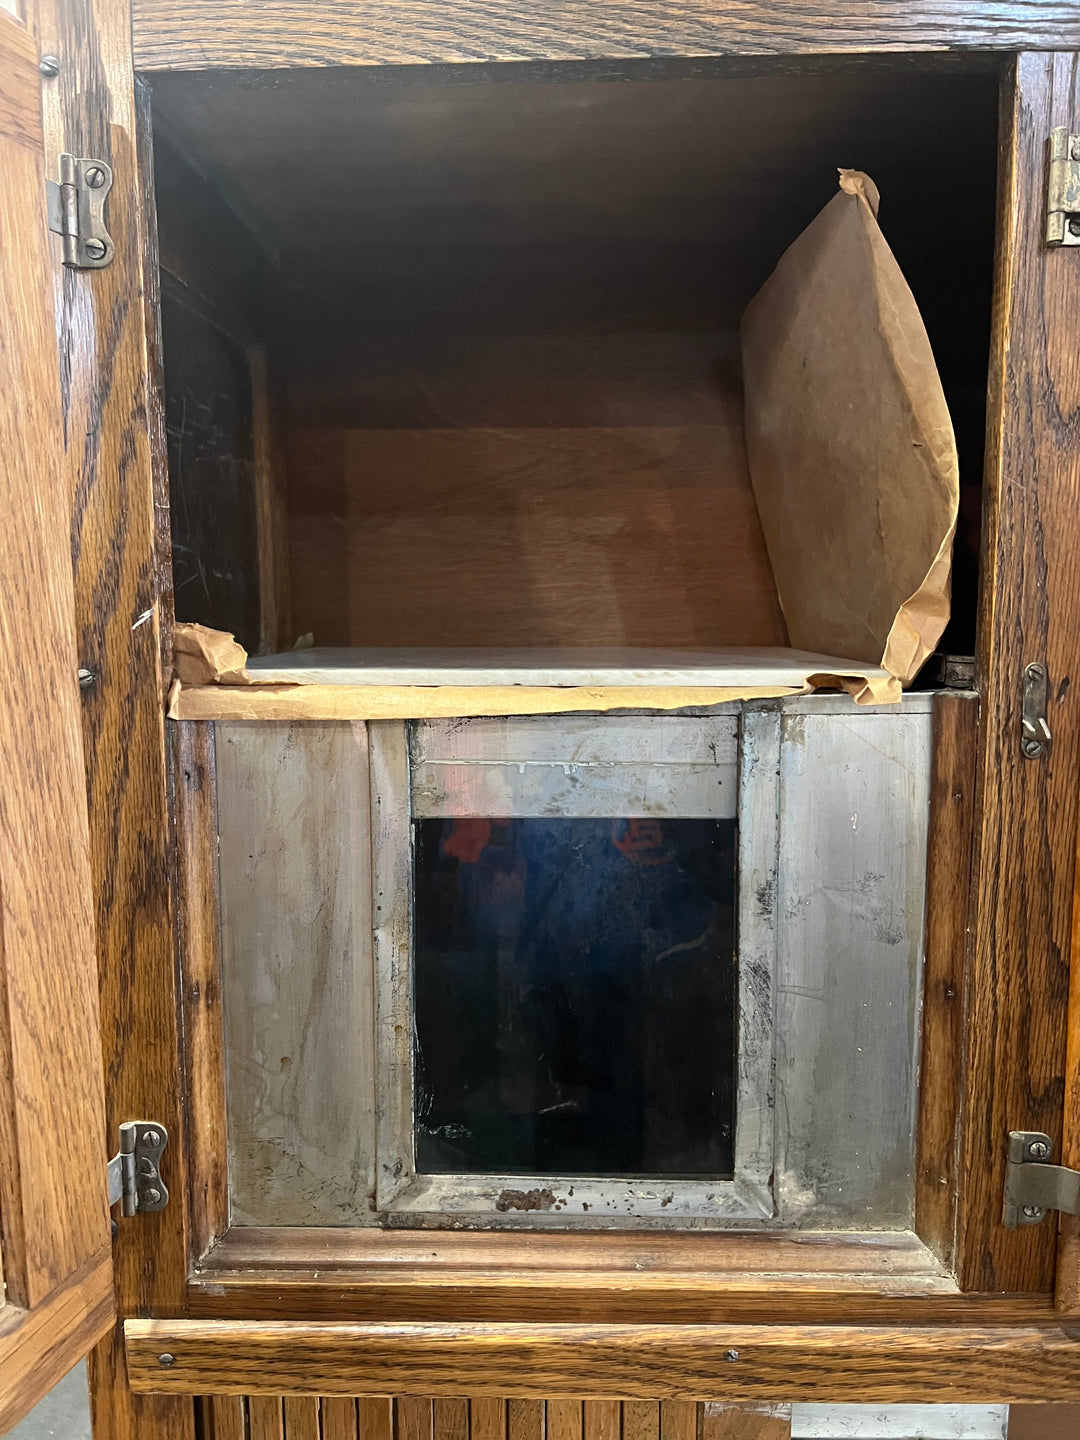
[
  {"x": 1063, "y": 189},
  {"x": 76, "y": 207},
  {"x": 1032, "y": 1187},
  {"x": 135, "y": 1181}
]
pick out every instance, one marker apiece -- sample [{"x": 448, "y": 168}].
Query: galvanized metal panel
[
  {"x": 294, "y": 838},
  {"x": 854, "y": 802}
]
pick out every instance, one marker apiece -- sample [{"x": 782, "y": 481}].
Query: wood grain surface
[
  {"x": 1025, "y": 810},
  {"x": 746, "y": 1363},
  {"x": 53, "y": 1206},
  {"x": 341, "y": 1417},
  {"x": 38, "y": 1346},
  {"x": 207, "y": 33},
  {"x": 326, "y": 1274},
  {"x": 948, "y": 880},
  {"x": 194, "y": 803},
  {"x": 119, "y": 534}
]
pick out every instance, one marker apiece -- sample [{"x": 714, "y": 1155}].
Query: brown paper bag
[{"x": 851, "y": 449}]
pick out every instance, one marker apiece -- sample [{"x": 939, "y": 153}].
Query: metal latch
[
  {"x": 1035, "y": 734},
  {"x": 77, "y": 211},
  {"x": 1063, "y": 189},
  {"x": 134, "y": 1177},
  {"x": 1032, "y": 1187}
]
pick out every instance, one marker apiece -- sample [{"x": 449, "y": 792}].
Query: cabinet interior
[{"x": 451, "y": 353}]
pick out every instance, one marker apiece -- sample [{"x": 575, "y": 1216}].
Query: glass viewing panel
[{"x": 575, "y": 996}]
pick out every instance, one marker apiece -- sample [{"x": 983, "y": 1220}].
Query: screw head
[
  {"x": 152, "y": 1137},
  {"x": 1038, "y": 1150},
  {"x": 1074, "y": 148},
  {"x": 49, "y": 65},
  {"x": 1074, "y": 227},
  {"x": 1031, "y": 748},
  {"x": 86, "y": 678},
  {"x": 95, "y": 177},
  {"x": 153, "y": 1195},
  {"x": 166, "y": 1360},
  {"x": 731, "y": 1355},
  {"x": 94, "y": 248},
  {"x": 1033, "y": 1212}
]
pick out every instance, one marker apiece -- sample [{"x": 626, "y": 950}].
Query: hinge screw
[
  {"x": 167, "y": 1360},
  {"x": 153, "y": 1195},
  {"x": 1032, "y": 748},
  {"x": 95, "y": 249},
  {"x": 1039, "y": 1150},
  {"x": 1074, "y": 226},
  {"x": 95, "y": 177},
  {"x": 1033, "y": 1212},
  {"x": 731, "y": 1355},
  {"x": 1074, "y": 148},
  {"x": 49, "y": 65},
  {"x": 152, "y": 1137}
]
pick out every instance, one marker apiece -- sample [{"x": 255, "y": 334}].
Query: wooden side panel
[
  {"x": 948, "y": 881},
  {"x": 301, "y": 32},
  {"x": 1026, "y": 810},
  {"x": 53, "y": 1205},
  {"x": 55, "y": 1263}
]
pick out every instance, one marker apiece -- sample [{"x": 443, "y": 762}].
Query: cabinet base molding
[{"x": 736, "y": 1364}]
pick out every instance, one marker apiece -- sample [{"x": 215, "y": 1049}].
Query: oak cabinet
[{"x": 420, "y": 329}]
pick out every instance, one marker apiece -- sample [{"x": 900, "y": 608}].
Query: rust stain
[{"x": 525, "y": 1200}]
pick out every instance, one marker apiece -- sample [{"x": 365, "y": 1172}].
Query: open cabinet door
[{"x": 55, "y": 1250}]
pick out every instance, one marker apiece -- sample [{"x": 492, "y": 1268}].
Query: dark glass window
[{"x": 575, "y": 996}]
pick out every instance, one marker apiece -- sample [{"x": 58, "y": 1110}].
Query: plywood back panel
[{"x": 537, "y": 534}]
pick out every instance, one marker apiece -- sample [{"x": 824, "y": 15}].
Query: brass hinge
[
  {"x": 135, "y": 1181},
  {"x": 1063, "y": 189},
  {"x": 76, "y": 205},
  {"x": 1032, "y": 1187}
]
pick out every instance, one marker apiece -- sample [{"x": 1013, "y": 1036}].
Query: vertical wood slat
[
  {"x": 602, "y": 1419},
  {"x": 224, "y": 1417},
  {"x": 678, "y": 1420},
  {"x": 375, "y": 1417},
  {"x": 487, "y": 1419},
  {"x": 413, "y": 1418},
  {"x": 266, "y": 1417},
  {"x": 525, "y": 1420},
  {"x": 641, "y": 1420},
  {"x": 1025, "y": 810},
  {"x": 948, "y": 893},
  {"x": 566, "y": 1420},
  {"x": 301, "y": 1417},
  {"x": 450, "y": 1419},
  {"x": 338, "y": 1415}
]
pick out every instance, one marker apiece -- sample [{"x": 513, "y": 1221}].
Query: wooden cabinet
[{"x": 584, "y": 361}]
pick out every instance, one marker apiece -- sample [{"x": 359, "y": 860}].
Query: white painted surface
[
  {"x": 741, "y": 668},
  {"x": 899, "y": 1422}
]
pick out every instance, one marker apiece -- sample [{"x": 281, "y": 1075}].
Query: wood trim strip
[
  {"x": 430, "y": 702},
  {"x": 194, "y": 796},
  {"x": 1025, "y": 810},
  {"x": 948, "y": 895},
  {"x": 40, "y": 1345},
  {"x": 751, "y": 1363},
  {"x": 207, "y": 34}
]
